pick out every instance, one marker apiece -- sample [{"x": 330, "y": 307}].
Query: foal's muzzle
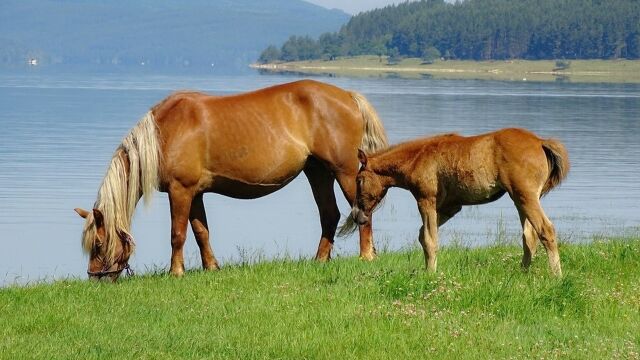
[{"x": 359, "y": 216}]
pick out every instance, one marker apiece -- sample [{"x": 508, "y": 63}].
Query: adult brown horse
[
  {"x": 243, "y": 146},
  {"x": 448, "y": 171}
]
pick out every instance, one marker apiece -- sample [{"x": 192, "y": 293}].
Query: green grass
[
  {"x": 584, "y": 71},
  {"x": 478, "y": 306}
]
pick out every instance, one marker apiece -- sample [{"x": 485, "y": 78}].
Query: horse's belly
[{"x": 242, "y": 190}]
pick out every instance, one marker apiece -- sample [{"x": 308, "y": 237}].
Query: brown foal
[
  {"x": 243, "y": 146},
  {"x": 448, "y": 171}
]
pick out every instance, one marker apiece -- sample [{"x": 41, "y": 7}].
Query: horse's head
[
  {"x": 369, "y": 191},
  {"x": 109, "y": 250}
]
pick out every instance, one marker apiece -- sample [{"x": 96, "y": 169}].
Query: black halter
[
  {"x": 125, "y": 238},
  {"x": 104, "y": 272}
]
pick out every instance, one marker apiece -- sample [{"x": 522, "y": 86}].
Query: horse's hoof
[
  {"x": 368, "y": 257},
  {"x": 177, "y": 273}
]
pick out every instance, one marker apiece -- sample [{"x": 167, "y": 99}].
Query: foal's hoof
[{"x": 212, "y": 267}]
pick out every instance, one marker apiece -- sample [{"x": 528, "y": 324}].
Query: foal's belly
[
  {"x": 473, "y": 191},
  {"x": 483, "y": 197}
]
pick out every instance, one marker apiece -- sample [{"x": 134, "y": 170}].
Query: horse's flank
[{"x": 132, "y": 173}]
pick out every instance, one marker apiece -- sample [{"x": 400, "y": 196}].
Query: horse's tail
[
  {"x": 558, "y": 159},
  {"x": 374, "y": 138}
]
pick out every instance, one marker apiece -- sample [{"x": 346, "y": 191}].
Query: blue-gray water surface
[{"x": 57, "y": 134}]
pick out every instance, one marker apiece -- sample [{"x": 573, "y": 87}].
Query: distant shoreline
[{"x": 581, "y": 71}]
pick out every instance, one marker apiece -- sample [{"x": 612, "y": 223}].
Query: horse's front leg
[
  {"x": 200, "y": 228},
  {"x": 180, "y": 204},
  {"x": 428, "y": 237}
]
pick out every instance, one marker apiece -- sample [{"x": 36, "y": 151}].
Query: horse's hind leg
[
  {"x": 321, "y": 181},
  {"x": 529, "y": 241},
  {"x": 198, "y": 219},
  {"x": 530, "y": 207}
]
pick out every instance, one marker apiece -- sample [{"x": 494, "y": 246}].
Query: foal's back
[{"x": 476, "y": 169}]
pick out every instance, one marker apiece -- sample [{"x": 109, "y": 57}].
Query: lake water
[{"x": 57, "y": 134}]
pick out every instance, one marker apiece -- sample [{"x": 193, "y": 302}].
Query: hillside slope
[{"x": 167, "y": 34}]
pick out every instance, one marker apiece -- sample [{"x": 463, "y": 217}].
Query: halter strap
[{"x": 105, "y": 272}]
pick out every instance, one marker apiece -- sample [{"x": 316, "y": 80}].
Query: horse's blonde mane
[{"x": 121, "y": 189}]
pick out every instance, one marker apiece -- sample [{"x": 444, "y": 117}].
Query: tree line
[{"x": 479, "y": 30}]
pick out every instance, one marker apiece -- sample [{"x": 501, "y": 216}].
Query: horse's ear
[
  {"x": 362, "y": 157},
  {"x": 98, "y": 218},
  {"x": 82, "y": 212}
]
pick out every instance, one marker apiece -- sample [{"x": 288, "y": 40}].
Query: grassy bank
[
  {"x": 478, "y": 306},
  {"x": 595, "y": 71}
]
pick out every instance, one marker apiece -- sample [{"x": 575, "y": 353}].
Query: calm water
[{"x": 58, "y": 133}]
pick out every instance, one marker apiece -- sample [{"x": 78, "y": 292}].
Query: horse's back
[{"x": 259, "y": 137}]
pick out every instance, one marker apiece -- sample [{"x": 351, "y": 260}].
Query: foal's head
[
  {"x": 109, "y": 251},
  {"x": 370, "y": 190}
]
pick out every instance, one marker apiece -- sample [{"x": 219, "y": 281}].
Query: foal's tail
[
  {"x": 558, "y": 159},
  {"x": 374, "y": 138}
]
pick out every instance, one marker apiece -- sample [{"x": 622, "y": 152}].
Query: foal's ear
[
  {"x": 98, "y": 218},
  {"x": 362, "y": 157},
  {"x": 82, "y": 212}
]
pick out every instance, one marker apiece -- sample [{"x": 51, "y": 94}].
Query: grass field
[
  {"x": 595, "y": 71},
  {"x": 478, "y": 306}
]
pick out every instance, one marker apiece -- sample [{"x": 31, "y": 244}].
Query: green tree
[
  {"x": 430, "y": 54},
  {"x": 487, "y": 29},
  {"x": 269, "y": 55}
]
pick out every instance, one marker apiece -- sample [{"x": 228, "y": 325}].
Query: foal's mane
[
  {"x": 416, "y": 144},
  {"x": 132, "y": 172}
]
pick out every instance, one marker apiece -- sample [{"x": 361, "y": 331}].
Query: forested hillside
[
  {"x": 480, "y": 30},
  {"x": 165, "y": 35}
]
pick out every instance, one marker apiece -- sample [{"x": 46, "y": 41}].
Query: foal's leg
[
  {"x": 180, "y": 204},
  {"x": 347, "y": 182},
  {"x": 529, "y": 241},
  {"x": 428, "y": 237},
  {"x": 198, "y": 219},
  {"x": 321, "y": 181},
  {"x": 532, "y": 210}
]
